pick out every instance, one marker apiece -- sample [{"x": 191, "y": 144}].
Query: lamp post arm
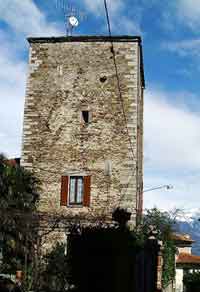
[{"x": 168, "y": 187}]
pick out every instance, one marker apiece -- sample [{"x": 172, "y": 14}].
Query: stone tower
[{"x": 83, "y": 123}]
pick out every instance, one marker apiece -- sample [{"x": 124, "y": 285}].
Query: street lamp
[
  {"x": 167, "y": 187},
  {"x": 140, "y": 207}
]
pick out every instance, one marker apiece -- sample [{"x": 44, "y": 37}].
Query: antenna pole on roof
[{"x": 72, "y": 16}]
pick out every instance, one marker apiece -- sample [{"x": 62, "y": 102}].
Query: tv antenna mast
[{"x": 72, "y": 16}]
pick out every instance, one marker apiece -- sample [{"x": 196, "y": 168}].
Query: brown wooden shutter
[
  {"x": 87, "y": 186},
  {"x": 64, "y": 190}
]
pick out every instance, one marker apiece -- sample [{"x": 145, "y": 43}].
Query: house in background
[
  {"x": 185, "y": 260},
  {"x": 83, "y": 124},
  {"x": 13, "y": 161}
]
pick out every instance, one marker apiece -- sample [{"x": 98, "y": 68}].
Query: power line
[
  {"x": 117, "y": 76},
  {"x": 108, "y": 18},
  {"x": 121, "y": 101},
  {"x": 120, "y": 92}
]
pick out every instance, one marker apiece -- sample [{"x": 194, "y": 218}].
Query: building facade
[
  {"x": 83, "y": 123},
  {"x": 186, "y": 262}
]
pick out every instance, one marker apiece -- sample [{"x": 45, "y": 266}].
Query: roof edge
[{"x": 85, "y": 38}]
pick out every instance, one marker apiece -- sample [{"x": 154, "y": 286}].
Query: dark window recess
[
  {"x": 103, "y": 79},
  {"x": 85, "y": 116}
]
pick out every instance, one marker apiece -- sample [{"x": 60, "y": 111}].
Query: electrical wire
[
  {"x": 121, "y": 101},
  {"x": 117, "y": 76},
  {"x": 122, "y": 104},
  {"x": 120, "y": 93}
]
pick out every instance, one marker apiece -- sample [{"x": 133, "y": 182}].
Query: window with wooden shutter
[
  {"x": 64, "y": 191},
  {"x": 75, "y": 190},
  {"x": 87, "y": 187}
]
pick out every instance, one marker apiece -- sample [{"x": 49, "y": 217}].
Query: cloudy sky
[{"x": 171, "y": 43}]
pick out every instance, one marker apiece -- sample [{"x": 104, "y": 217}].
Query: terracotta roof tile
[
  {"x": 182, "y": 237},
  {"x": 13, "y": 162},
  {"x": 185, "y": 258}
]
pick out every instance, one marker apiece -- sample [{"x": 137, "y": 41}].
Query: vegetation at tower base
[
  {"x": 99, "y": 258},
  {"x": 18, "y": 196},
  {"x": 55, "y": 276},
  {"x": 102, "y": 257},
  {"x": 161, "y": 225},
  {"x": 104, "y": 253},
  {"x": 192, "y": 281}
]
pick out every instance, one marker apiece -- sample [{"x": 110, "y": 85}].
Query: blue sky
[{"x": 171, "y": 44}]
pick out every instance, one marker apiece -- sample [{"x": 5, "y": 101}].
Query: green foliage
[
  {"x": 95, "y": 256},
  {"x": 160, "y": 224},
  {"x": 169, "y": 251},
  {"x": 192, "y": 281},
  {"x": 18, "y": 188},
  {"x": 56, "y": 273},
  {"x": 18, "y": 196},
  {"x": 96, "y": 253}
]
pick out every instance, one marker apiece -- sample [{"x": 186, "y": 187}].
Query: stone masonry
[{"x": 70, "y": 75}]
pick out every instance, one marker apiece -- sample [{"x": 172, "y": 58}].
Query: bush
[
  {"x": 192, "y": 282},
  {"x": 55, "y": 276},
  {"x": 160, "y": 225}
]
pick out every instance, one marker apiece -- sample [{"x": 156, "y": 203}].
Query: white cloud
[
  {"x": 172, "y": 156},
  {"x": 124, "y": 25},
  {"x": 12, "y": 87},
  {"x": 184, "y": 12},
  {"x": 25, "y": 17},
  {"x": 188, "y": 12},
  {"x": 97, "y": 6},
  {"x": 171, "y": 133},
  {"x": 184, "y": 47},
  {"x": 184, "y": 195},
  {"x": 120, "y": 22}
]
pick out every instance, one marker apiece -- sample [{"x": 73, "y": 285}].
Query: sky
[{"x": 171, "y": 45}]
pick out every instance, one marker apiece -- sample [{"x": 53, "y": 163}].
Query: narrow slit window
[{"x": 85, "y": 116}]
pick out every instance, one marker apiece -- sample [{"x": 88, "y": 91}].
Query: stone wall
[{"x": 65, "y": 78}]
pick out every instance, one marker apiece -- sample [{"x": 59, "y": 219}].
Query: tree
[
  {"x": 18, "y": 187},
  {"x": 192, "y": 281},
  {"x": 18, "y": 196},
  {"x": 55, "y": 276},
  {"x": 161, "y": 225},
  {"x": 157, "y": 222}
]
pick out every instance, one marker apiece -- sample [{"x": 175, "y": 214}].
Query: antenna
[{"x": 72, "y": 16}]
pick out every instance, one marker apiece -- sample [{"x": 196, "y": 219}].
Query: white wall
[{"x": 179, "y": 280}]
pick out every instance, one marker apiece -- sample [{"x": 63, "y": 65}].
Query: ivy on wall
[
  {"x": 161, "y": 224},
  {"x": 168, "y": 273}
]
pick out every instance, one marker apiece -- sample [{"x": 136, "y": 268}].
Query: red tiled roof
[
  {"x": 13, "y": 162},
  {"x": 186, "y": 258},
  {"x": 182, "y": 237}
]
